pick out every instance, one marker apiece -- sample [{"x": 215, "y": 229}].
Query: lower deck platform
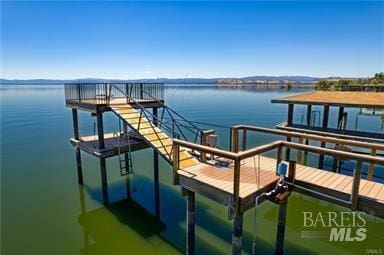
[
  {"x": 90, "y": 144},
  {"x": 217, "y": 183}
]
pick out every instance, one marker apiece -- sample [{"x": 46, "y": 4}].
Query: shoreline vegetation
[{"x": 336, "y": 84}]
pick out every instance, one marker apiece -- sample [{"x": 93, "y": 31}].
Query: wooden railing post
[
  {"x": 371, "y": 168},
  {"x": 278, "y": 155},
  {"x": 300, "y": 152},
  {"x": 244, "y": 139},
  {"x": 234, "y": 139},
  {"x": 292, "y": 171},
  {"x": 356, "y": 186},
  {"x": 175, "y": 162}
]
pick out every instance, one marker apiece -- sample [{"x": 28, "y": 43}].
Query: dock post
[
  {"x": 103, "y": 165},
  {"x": 289, "y": 122},
  {"x": 340, "y": 117},
  {"x": 309, "y": 117},
  {"x": 76, "y": 136},
  {"x": 104, "y": 181},
  {"x": 237, "y": 235},
  {"x": 126, "y": 158},
  {"x": 190, "y": 223},
  {"x": 156, "y": 171},
  {"x": 79, "y": 166},
  {"x": 75, "y": 121},
  {"x": 100, "y": 130},
  {"x": 279, "y": 248},
  {"x": 324, "y": 126}
]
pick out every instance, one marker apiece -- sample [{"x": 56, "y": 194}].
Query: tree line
[{"x": 336, "y": 84}]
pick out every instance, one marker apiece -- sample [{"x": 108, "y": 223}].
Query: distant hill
[{"x": 250, "y": 79}]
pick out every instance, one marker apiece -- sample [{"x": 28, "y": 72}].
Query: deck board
[{"x": 222, "y": 178}]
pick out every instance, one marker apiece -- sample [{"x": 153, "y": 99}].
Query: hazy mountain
[{"x": 295, "y": 79}]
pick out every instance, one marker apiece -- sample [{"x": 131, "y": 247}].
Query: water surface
[{"x": 42, "y": 207}]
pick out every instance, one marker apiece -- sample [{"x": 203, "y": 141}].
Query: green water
[{"x": 44, "y": 211}]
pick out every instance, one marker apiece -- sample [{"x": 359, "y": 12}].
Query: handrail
[
  {"x": 169, "y": 110},
  {"x": 279, "y": 145},
  {"x": 311, "y": 137},
  {"x": 159, "y": 121},
  {"x": 144, "y": 110},
  {"x": 273, "y": 145}
]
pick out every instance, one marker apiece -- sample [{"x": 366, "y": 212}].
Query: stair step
[
  {"x": 130, "y": 115},
  {"x": 154, "y": 135}
]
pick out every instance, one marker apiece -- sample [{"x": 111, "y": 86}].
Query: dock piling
[
  {"x": 104, "y": 181},
  {"x": 279, "y": 248},
  {"x": 126, "y": 160},
  {"x": 76, "y": 136},
  {"x": 190, "y": 223},
  {"x": 156, "y": 172},
  {"x": 237, "y": 235},
  {"x": 324, "y": 127},
  {"x": 100, "y": 130},
  {"x": 80, "y": 178},
  {"x": 290, "y": 122}
]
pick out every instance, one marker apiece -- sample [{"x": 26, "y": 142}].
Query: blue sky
[{"x": 194, "y": 39}]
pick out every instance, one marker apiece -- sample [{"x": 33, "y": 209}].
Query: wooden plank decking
[
  {"x": 329, "y": 183},
  {"x": 336, "y": 98}
]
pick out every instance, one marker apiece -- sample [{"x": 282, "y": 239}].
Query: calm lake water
[{"x": 41, "y": 200}]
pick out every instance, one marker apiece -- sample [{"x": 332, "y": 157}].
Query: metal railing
[
  {"x": 101, "y": 93},
  {"x": 175, "y": 127}
]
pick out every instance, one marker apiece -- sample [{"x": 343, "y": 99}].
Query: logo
[{"x": 335, "y": 226}]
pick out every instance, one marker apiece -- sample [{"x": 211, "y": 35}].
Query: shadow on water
[{"x": 115, "y": 226}]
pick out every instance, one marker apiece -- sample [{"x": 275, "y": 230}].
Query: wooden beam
[
  {"x": 234, "y": 139},
  {"x": 316, "y": 136},
  {"x": 289, "y": 123},
  {"x": 244, "y": 147},
  {"x": 324, "y": 126},
  {"x": 190, "y": 223},
  {"x": 299, "y": 157},
  {"x": 237, "y": 234},
  {"x": 371, "y": 168},
  {"x": 356, "y": 186}
]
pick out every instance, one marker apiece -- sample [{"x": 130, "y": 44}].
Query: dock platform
[
  {"x": 90, "y": 144},
  {"x": 217, "y": 183}
]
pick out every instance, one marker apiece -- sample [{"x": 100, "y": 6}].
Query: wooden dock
[{"x": 249, "y": 175}]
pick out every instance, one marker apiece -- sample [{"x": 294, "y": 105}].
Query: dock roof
[{"x": 336, "y": 98}]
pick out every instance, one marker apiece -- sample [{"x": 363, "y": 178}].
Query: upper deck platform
[
  {"x": 98, "y": 97},
  {"x": 337, "y": 98}
]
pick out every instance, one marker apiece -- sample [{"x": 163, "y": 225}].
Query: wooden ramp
[{"x": 153, "y": 135}]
